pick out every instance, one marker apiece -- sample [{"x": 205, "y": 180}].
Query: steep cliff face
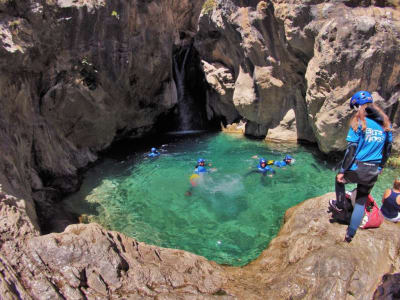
[
  {"x": 250, "y": 66},
  {"x": 266, "y": 58},
  {"x": 76, "y": 75}
]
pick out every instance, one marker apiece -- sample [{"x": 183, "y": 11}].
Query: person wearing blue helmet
[
  {"x": 200, "y": 167},
  {"x": 288, "y": 160},
  {"x": 199, "y": 170},
  {"x": 153, "y": 153},
  {"x": 369, "y": 143},
  {"x": 262, "y": 168}
]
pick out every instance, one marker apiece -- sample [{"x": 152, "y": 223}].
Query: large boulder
[
  {"x": 305, "y": 56},
  {"x": 248, "y": 43},
  {"x": 309, "y": 259},
  {"x": 355, "y": 49},
  {"x": 89, "y": 262}
]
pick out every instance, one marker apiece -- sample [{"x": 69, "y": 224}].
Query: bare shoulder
[{"x": 387, "y": 193}]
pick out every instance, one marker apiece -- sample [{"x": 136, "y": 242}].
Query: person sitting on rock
[
  {"x": 369, "y": 145},
  {"x": 391, "y": 202},
  {"x": 288, "y": 160}
]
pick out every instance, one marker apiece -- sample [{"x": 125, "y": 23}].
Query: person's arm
[
  {"x": 398, "y": 200},
  {"x": 385, "y": 195},
  {"x": 353, "y": 137},
  {"x": 349, "y": 157},
  {"x": 387, "y": 149}
]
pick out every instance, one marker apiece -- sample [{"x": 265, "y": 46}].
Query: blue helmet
[
  {"x": 200, "y": 160},
  {"x": 153, "y": 149},
  {"x": 288, "y": 157},
  {"x": 360, "y": 98},
  {"x": 263, "y": 161}
]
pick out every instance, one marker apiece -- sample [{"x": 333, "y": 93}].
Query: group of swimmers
[
  {"x": 390, "y": 201},
  {"x": 263, "y": 167}
]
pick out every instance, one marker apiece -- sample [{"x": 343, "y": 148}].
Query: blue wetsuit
[
  {"x": 153, "y": 154},
  {"x": 265, "y": 170},
  {"x": 200, "y": 169},
  {"x": 280, "y": 163}
]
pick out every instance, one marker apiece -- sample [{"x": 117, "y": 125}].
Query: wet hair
[
  {"x": 396, "y": 184},
  {"x": 361, "y": 114}
]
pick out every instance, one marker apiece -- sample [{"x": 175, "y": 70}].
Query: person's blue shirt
[
  {"x": 265, "y": 169},
  {"x": 370, "y": 142},
  {"x": 200, "y": 169}
]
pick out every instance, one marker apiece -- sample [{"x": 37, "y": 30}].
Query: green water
[{"x": 229, "y": 218}]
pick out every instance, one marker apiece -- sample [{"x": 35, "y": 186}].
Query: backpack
[{"x": 373, "y": 217}]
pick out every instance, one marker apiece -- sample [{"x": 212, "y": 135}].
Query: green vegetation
[
  {"x": 208, "y": 6},
  {"x": 394, "y": 162}
]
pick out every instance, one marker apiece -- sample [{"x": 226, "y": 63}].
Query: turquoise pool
[{"x": 229, "y": 218}]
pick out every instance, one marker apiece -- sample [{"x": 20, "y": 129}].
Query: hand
[
  {"x": 380, "y": 170},
  {"x": 340, "y": 178}
]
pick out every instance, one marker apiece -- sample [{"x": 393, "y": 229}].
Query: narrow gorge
[{"x": 79, "y": 76}]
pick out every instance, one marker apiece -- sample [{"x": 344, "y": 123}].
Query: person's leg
[
  {"x": 349, "y": 176},
  {"x": 358, "y": 212},
  {"x": 340, "y": 194}
]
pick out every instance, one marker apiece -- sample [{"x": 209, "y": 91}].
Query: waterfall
[{"x": 183, "y": 102}]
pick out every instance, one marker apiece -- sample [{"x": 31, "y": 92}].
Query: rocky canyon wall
[
  {"x": 77, "y": 75},
  {"x": 291, "y": 66}
]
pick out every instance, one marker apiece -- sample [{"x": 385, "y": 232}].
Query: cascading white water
[{"x": 183, "y": 107}]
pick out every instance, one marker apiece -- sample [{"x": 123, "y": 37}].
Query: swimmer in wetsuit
[
  {"x": 153, "y": 153},
  {"x": 262, "y": 168},
  {"x": 288, "y": 160},
  {"x": 199, "y": 170}
]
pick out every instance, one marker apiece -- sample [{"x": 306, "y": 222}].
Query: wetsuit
[
  {"x": 390, "y": 209},
  {"x": 280, "y": 163},
  {"x": 366, "y": 154},
  {"x": 153, "y": 154},
  {"x": 265, "y": 170},
  {"x": 200, "y": 169}
]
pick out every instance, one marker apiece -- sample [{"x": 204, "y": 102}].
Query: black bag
[{"x": 344, "y": 216}]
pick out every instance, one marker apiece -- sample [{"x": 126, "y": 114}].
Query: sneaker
[
  {"x": 348, "y": 238},
  {"x": 332, "y": 203}
]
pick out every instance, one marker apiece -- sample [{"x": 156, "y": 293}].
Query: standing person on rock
[{"x": 369, "y": 145}]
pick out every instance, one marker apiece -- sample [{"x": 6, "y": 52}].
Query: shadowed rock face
[
  {"x": 77, "y": 75},
  {"x": 390, "y": 287},
  {"x": 269, "y": 57}
]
